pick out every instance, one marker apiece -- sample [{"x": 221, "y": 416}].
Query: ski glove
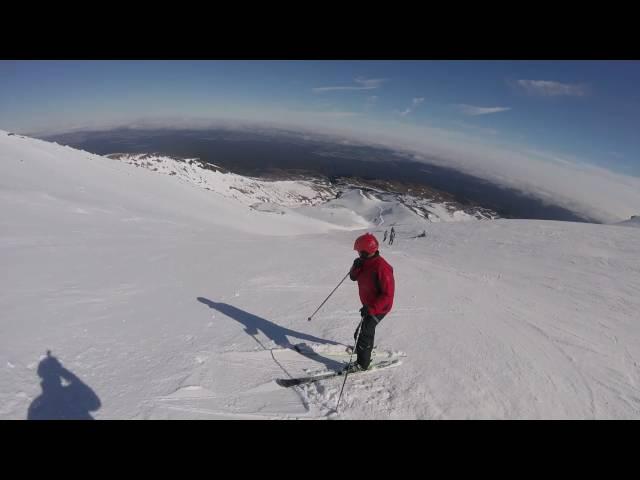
[
  {"x": 364, "y": 311},
  {"x": 357, "y": 263}
]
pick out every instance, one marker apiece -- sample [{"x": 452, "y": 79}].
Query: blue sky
[{"x": 580, "y": 110}]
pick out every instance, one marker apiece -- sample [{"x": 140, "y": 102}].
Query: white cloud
[
  {"x": 336, "y": 114},
  {"x": 370, "y": 83},
  {"x": 322, "y": 115},
  {"x": 568, "y": 182},
  {"x": 473, "y": 110},
  {"x": 363, "y": 84},
  {"x": 585, "y": 189},
  {"x": 484, "y": 130},
  {"x": 414, "y": 103},
  {"x": 548, "y": 88}
]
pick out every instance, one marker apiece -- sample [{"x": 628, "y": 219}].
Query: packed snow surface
[{"x": 157, "y": 298}]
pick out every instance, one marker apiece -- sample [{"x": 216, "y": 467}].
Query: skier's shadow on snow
[
  {"x": 254, "y": 324},
  {"x": 72, "y": 401}
]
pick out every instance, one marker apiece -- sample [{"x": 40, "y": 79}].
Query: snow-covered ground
[
  {"x": 634, "y": 221},
  {"x": 243, "y": 189},
  {"x": 354, "y": 207},
  {"x": 167, "y": 300}
]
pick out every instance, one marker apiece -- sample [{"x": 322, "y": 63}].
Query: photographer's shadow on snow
[
  {"x": 71, "y": 400},
  {"x": 254, "y": 324}
]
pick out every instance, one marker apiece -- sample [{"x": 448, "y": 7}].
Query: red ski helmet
[{"x": 366, "y": 243}]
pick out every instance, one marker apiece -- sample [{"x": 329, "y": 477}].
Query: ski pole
[
  {"x": 345, "y": 277},
  {"x": 349, "y": 364}
]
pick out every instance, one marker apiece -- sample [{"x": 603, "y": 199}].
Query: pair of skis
[{"x": 374, "y": 366}]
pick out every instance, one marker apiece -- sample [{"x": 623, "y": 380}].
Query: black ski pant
[{"x": 365, "y": 341}]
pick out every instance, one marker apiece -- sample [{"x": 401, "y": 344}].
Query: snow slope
[
  {"x": 347, "y": 205},
  {"x": 161, "y": 299},
  {"x": 634, "y": 221},
  {"x": 246, "y": 190}
]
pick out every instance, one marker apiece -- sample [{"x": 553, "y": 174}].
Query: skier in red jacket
[{"x": 376, "y": 287}]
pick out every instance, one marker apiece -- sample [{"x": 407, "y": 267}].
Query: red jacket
[{"x": 375, "y": 284}]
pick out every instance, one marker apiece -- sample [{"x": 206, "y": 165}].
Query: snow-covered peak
[
  {"x": 248, "y": 191},
  {"x": 349, "y": 205}
]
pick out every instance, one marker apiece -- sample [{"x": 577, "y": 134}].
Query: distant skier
[
  {"x": 392, "y": 236},
  {"x": 376, "y": 287},
  {"x": 385, "y": 236}
]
